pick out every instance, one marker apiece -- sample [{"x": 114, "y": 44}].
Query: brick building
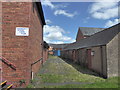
[
  {"x": 56, "y": 47},
  {"x": 84, "y": 32},
  {"x": 98, "y": 52},
  {"x": 45, "y": 51},
  {"x": 22, "y": 41}
]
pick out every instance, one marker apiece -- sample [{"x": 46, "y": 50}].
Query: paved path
[{"x": 56, "y": 71}]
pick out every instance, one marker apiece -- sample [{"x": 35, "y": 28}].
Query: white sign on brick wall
[{"x": 22, "y": 31}]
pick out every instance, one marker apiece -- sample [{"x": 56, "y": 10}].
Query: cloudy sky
[{"x": 64, "y": 18}]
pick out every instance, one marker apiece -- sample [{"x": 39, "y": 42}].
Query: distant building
[
  {"x": 23, "y": 49},
  {"x": 56, "y": 47},
  {"x": 50, "y": 50},
  {"x": 99, "y": 52},
  {"x": 84, "y": 32}
]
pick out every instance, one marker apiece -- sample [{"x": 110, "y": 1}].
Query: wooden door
[{"x": 89, "y": 60}]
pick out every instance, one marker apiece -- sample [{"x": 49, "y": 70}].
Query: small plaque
[{"x": 22, "y": 31}]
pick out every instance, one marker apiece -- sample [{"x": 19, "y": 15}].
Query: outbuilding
[
  {"x": 98, "y": 52},
  {"x": 55, "y": 49}
]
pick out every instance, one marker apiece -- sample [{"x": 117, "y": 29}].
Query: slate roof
[
  {"x": 88, "y": 31},
  {"x": 100, "y": 38},
  {"x": 58, "y": 45}
]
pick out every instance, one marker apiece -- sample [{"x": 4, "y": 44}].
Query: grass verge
[{"x": 56, "y": 73}]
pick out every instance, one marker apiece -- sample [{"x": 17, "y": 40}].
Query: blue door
[{"x": 57, "y": 52}]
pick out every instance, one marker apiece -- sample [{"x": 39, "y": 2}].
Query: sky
[{"x": 64, "y": 18}]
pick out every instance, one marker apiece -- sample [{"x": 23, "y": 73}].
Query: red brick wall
[
  {"x": 21, "y": 50},
  {"x": 45, "y": 55},
  {"x": 79, "y": 36},
  {"x": 35, "y": 40}
]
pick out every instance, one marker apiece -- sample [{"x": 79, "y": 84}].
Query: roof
[
  {"x": 69, "y": 45},
  {"x": 100, "y": 38},
  {"x": 88, "y": 31},
  {"x": 40, "y": 11},
  {"x": 58, "y": 45}
]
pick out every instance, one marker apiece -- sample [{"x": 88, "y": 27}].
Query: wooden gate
[{"x": 89, "y": 58}]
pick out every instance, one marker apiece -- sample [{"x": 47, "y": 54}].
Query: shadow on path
[{"x": 79, "y": 68}]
